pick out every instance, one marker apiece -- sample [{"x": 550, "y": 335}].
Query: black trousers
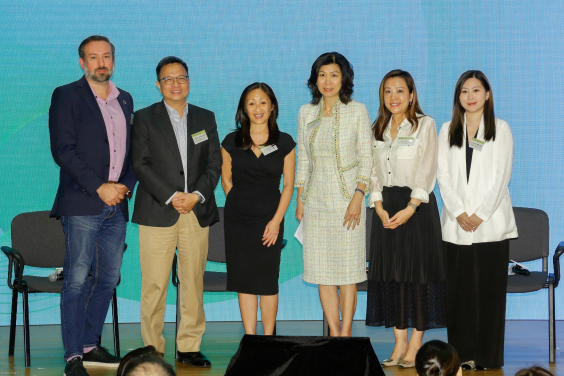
[{"x": 476, "y": 277}]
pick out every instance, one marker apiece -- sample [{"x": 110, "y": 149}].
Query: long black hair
[
  {"x": 456, "y": 132},
  {"x": 243, "y": 123}
]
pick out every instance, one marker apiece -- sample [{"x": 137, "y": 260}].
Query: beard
[{"x": 99, "y": 76}]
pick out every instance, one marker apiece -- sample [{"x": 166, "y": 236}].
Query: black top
[
  {"x": 469, "y": 153},
  {"x": 262, "y": 173}
]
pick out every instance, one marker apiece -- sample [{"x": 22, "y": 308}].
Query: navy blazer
[{"x": 79, "y": 144}]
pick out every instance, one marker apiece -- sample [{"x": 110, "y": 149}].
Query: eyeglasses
[{"x": 170, "y": 80}]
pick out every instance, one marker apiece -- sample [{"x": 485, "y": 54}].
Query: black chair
[
  {"x": 38, "y": 241},
  {"x": 213, "y": 281},
  {"x": 362, "y": 286},
  {"x": 532, "y": 244}
]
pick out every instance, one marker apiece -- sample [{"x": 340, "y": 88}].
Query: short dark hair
[
  {"x": 170, "y": 60},
  {"x": 347, "y": 73},
  {"x": 95, "y": 38},
  {"x": 534, "y": 371},
  {"x": 437, "y": 358},
  {"x": 243, "y": 123},
  {"x": 144, "y": 356}
]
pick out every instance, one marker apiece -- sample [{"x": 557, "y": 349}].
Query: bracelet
[
  {"x": 359, "y": 190},
  {"x": 413, "y": 206}
]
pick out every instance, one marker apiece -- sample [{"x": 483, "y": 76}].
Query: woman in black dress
[{"x": 255, "y": 157}]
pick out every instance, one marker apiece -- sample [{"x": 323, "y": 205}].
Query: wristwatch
[{"x": 413, "y": 206}]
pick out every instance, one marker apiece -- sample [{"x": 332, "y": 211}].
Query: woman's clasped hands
[
  {"x": 398, "y": 219},
  {"x": 469, "y": 223}
]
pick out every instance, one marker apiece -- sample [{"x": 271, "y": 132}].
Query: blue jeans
[{"x": 94, "y": 245}]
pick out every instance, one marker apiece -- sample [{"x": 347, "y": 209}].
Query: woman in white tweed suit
[{"x": 334, "y": 165}]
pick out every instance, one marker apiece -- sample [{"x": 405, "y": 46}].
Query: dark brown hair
[
  {"x": 143, "y": 355},
  {"x": 347, "y": 74},
  {"x": 95, "y": 38},
  {"x": 456, "y": 131},
  {"x": 437, "y": 358},
  {"x": 384, "y": 115},
  {"x": 534, "y": 371},
  {"x": 243, "y": 137}
]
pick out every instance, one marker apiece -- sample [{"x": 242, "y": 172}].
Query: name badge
[
  {"x": 131, "y": 121},
  {"x": 268, "y": 149},
  {"x": 405, "y": 141},
  {"x": 313, "y": 124},
  {"x": 199, "y": 137},
  {"x": 477, "y": 144}
]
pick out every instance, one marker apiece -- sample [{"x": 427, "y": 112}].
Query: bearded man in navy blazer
[{"x": 89, "y": 124}]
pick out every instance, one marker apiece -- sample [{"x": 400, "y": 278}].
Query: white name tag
[
  {"x": 268, "y": 149},
  {"x": 405, "y": 141},
  {"x": 477, "y": 144},
  {"x": 199, "y": 137},
  {"x": 313, "y": 124}
]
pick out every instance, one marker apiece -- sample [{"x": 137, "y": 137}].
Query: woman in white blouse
[
  {"x": 406, "y": 281},
  {"x": 474, "y": 169}
]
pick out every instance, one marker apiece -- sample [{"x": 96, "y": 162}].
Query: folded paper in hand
[{"x": 300, "y": 232}]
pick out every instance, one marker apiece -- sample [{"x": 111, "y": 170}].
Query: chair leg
[
  {"x": 115, "y": 324},
  {"x": 326, "y": 331},
  {"x": 26, "y": 326},
  {"x": 551, "y": 323},
  {"x": 177, "y": 322},
  {"x": 13, "y": 322}
]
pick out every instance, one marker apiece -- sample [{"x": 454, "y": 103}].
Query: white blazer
[
  {"x": 485, "y": 193},
  {"x": 353, "y": 150}
]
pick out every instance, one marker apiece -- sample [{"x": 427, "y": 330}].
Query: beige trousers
[{"x": 156, "y": 251}]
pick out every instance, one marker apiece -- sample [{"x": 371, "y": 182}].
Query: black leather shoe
[
  {"x": 75, "y": 368},
  {"x": 100, "y": 357},
  {"x": 195, "y": 359}
]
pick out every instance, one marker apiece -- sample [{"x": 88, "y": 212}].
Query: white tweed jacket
[{"x": 353, "y": 151}]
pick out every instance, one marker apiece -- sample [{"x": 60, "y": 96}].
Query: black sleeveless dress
[{"x": 253, "y": 268}]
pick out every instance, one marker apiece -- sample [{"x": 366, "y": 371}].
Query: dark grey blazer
[{"x": 158, "y": 166}]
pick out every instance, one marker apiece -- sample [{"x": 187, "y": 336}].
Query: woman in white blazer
[
  {"x": 474, "y": 169},
  {"x": 406, "y": 281},
  {"x": 334, "y": 163}
]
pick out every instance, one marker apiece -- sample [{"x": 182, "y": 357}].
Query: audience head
[
  {"x": 338, "y": 70},
  {"x": 437, "y": 358},
  {"x": 534, "y": 371},
  {"x": 145, "y": 361}
]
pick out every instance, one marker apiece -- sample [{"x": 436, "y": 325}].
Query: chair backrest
[
  {"x": 39, "y": 239},
  {"x": 369, "y": 215},
  {"x": 532, "y": 243},
  {"x": 216, "y": 248}
]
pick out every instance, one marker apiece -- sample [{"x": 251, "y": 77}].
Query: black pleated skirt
[{"x": 406, "y": 278}]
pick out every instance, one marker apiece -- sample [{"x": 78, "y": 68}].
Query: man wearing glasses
[{"x": 177, "y": 160}]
